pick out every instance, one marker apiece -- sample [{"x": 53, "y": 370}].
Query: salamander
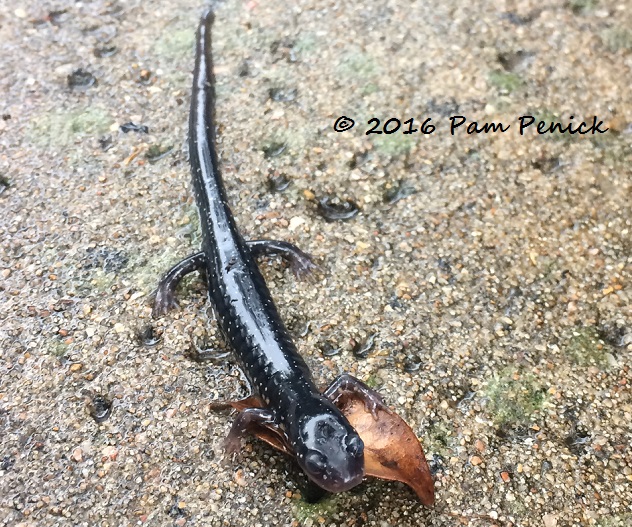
[{"x": 326, "y": 446}]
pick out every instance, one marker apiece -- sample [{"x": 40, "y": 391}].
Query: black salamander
[{"x": 326, "y": 446}]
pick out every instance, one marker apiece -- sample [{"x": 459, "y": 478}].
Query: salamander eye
[
  {"x": 315, "y": 462},
  {"x": 355, "y": 446}
]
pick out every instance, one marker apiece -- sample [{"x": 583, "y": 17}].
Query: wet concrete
[{"x": 492, "y": 268}]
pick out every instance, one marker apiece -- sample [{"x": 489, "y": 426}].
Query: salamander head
[{"x": 328, "y": 448}]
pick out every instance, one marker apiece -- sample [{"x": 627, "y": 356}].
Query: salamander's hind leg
[
  {"x": 248, "y": 421},
  {"x": 300, "y": 262},
  {"x": 166, "y": 293},
  {"x": 346, "y": 383}
]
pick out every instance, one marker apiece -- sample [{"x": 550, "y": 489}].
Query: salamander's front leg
[
  {"x": 346, "y": 383},
  {"x": 166, "y": 293},
  {"x": 247, "y": 422},
  {"x": 300, "y": 262}
]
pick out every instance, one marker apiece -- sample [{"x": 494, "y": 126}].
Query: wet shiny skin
[{"x": 326, "y": 446}]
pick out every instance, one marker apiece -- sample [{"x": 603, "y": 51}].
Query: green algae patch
[
  {"x": 358, "y": 66},
  {"x": 545, "y": 114},
  {"x": 175, "y": 44},
  {"x": 616, "y": 152},
  {"x": 438, "y": 438},
  {"x": 617, "y": 39},
  {"x": 584, "y": 347},
  {"x": 63, "y": 127},
  {"x": 147, "y": 267},
  {"x": 505, "y": 82},
  {"x": 306, "y": 43},
  {"x": 517, "y": 507},
  {"x": 394, "y": 145},
  {"x": 513, "y": 397},
  {"x": 324, "y": 508},
  {"x": 582, "y": 7},
  {"x": 100, "y": 282},
  {"x": 618, "y": 520},
  {"x": 369, "y": 88},
  {"x": 192, "y": 224},
  {"x": 147, "y": 272},
  {"x": 373, "y": 381},
  {"x": 57, "y": 348}
]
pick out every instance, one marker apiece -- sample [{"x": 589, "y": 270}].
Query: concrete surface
[{"x": 497, "y": 287}]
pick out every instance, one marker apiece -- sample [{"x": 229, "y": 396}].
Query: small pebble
[
  {"x": 110, "y": 452},
  {"x": 296, "y": 222}
]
